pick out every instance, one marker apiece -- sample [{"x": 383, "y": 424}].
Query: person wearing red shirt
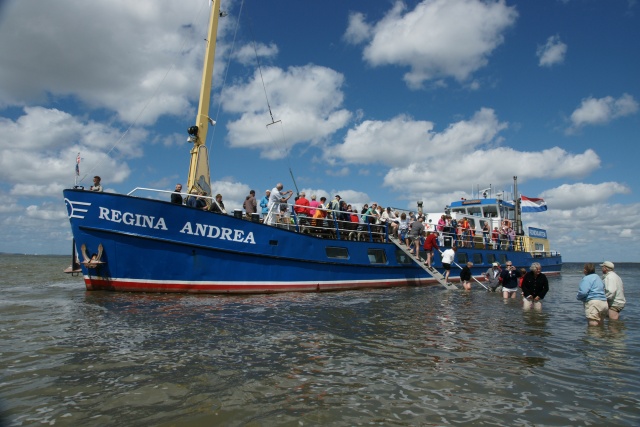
[
  {"x": 495, "y": 235},
  {"x": 430, "y": 243},
  {"x": 302, "y": 205}
]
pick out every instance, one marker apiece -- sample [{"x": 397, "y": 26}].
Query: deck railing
[{"x": 335, "y": 226}]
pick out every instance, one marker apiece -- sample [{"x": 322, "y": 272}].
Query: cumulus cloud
[
  {"x": 552, "y": 52},
  {"x": 481, "y": 166},
  {"x": 437, "y": 39},
  {"x": 571, "y": 196},
  {"x": 246, "y": 55},
  {"x": 89, "y": 65},
  {"x": 357, "y": 30},
  {"x": 413, "y": 140},
  {"x": 38, "y": 151},
  {"x": 574, "y": 231},
  {"x": 308, "y": 99},
  {"x": 599, "y": 111},
  {"x": 422, "y": 160}
]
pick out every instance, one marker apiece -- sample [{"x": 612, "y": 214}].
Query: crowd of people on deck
[{"x": 277, "y": 208}]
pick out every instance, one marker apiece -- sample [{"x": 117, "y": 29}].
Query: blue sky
[{"x": 378, "y": 101}]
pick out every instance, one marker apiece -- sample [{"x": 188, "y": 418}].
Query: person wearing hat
[
  {"x": 493, "y": 277},
  {"x": 534, "y": 287},
  {"x": 613, "y": 290}
]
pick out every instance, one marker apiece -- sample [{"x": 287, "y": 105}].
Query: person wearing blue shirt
[
  {"x": 591, "y": 293},
  {"x": 264, "y": 203}
]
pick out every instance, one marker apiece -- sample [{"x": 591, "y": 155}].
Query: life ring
[{"x": 506, "y": 223}]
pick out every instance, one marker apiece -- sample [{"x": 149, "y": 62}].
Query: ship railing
[
  {"x": 335, "y": 224},
  {"x": 209, "y": 199},
  {"x": 479, "y": 240}
]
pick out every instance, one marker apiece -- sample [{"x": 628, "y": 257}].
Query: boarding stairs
[{"x": 430, "y": 270}]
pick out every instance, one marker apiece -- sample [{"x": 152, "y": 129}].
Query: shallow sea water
[{"x": 408, "y": 356}]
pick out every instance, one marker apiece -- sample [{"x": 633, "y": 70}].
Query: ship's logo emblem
[{"x": 76, "y": 209}]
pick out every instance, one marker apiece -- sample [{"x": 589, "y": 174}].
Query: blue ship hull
[{"x": 155, "y": 246}]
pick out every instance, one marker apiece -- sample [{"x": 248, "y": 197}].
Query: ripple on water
[{"x": 409, "y": 356}]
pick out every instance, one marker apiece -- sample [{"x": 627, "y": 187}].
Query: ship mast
[{"x": 199, "y": 176}]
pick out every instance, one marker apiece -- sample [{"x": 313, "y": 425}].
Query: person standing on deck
[
  {"x": 534, "y": 287},
  {"x": 264, "y": 203},
  {"x": 495, "y": 238},
  {"x": 176, "y": 197},
  {"x": 591, "y": 292},
  {"x": 613, "y": 289},
  {"x": 313, "y": 205},
  {"x": 277, "y": 200},
  {"x": 250, "y": 205},
  {"x": 96, "y": 184},
  {"x": 486, "y": 230}
]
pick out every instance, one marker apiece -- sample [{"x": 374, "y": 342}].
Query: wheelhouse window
[
  {"x": 462, "y": 258},
  {"x": 377, "y": 256},
  {"x": 503, "y": 258},
  {"x": 477, "y": 258},
  {"x": 336, "y": 252},
  {"x": 491, "y": 258},
  {"x": 402, "y": 258},
  {"x": 490, "y": 211},
  {"x": 474, "y": 210}
]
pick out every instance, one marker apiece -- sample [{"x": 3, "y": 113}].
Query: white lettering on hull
[
  {"x": 222, "y": 233},
  {"x": 129, "y": 218},
  {"x": 204, "y": 230}
]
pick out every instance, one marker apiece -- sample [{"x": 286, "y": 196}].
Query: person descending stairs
[{"x": 430, "y": 270}]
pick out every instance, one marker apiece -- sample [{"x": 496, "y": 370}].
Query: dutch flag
[
  {"x": 78, "y": 165},
  {"x": 532, "y": 205}
]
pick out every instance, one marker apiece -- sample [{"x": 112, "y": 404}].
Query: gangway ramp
[{"x": 430, "y": 270}]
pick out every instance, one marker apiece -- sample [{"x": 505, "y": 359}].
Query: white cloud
[
  {"x": 437, "y": 39},
  {"x": 118, "y": 65},
  {"x": 598, "y": 111},
  {"x": 402, "y": 141},
  {"x": 38, "y": 151},
  {"x": 574, "y": 232},
  {"x": 552, "y": 52},
  {"x": 47, "y": 212},
  {"x": 246, "y": 55},
  {"x": 307, "y": 100},
  {"x": 571, "y": 196},
  {"x": 358, "y": 30}
]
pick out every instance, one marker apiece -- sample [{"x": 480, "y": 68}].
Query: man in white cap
[
  {"x": 493, "y": 277},
  {"x": 613, "y": 290}
]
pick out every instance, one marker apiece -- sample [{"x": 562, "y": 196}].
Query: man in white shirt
[
  {"x": 277, "y": 200},
  {"x": 447, "y": 259},
  {"x": 613, "y": 290}
]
